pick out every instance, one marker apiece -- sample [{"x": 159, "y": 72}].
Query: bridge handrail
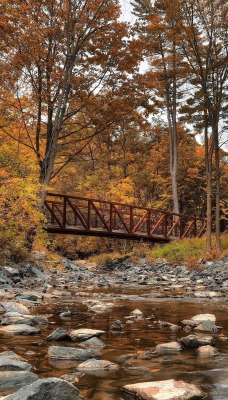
[{"x": 126, "y": 205}]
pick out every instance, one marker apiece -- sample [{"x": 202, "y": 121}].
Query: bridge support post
[{"x": 64, "y": 212}]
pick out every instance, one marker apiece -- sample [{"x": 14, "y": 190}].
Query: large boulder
[
  {"x": 71, "y": 353},
  {"x": 170, "y": 390},
  {"x": 47, "y": 389}
]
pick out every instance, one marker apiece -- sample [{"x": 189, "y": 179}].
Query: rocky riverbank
[
  {"x": 85, "y": 350},
  {"x": 158, "y": 280}
]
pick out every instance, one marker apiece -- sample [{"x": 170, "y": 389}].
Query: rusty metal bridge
[{"x": 93, "y": 217}]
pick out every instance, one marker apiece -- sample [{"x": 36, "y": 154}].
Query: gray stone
[
  {"x": 10, "y": 355},
  {"x": 13, "y": 318},
  {"x": 79, "y": 335},
  {"x": 15, "y": 307},
  {"x": 137, "y": 313},
  {"x": 164, "y": 390},
  {"x": 93, "y": 343},
  {"x": 191, "y": 341},
  {"x": 206, "y": 340},
  {"x": 14, "y": 365},
  {"x": 9, "y": 380},
  {"x": 206, "y": 326},
  {"x": 58, "y": 334},
  {"x": 98, "y": 306},
  {"x": 168, "y": 348},
  {"x": 74, "y": 377},
  {"x": 27, "y": 296},
  {"x": 20, "y": 329},
  {"x": 9, "y": 271},
  {"x": 71, "y": 353},
  {"x": 207, "y": 351},
  {"x": 116, "y": 326},
  {"x": 39, "y": 320},
  {"x": 203, "y": 317},
  {"x": 94, "y": 364},
  {"x": 47, "y": 389}
]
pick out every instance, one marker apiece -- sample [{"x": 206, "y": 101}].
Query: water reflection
[{"x": 125, "y": 348}]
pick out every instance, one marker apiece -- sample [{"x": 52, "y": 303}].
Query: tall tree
[
  {"x": 64, "y": 66},
  {"x": 203, "y": 27},
  {"x": 157, "y": 25}
]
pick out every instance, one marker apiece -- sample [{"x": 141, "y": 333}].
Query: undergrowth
[{"x": 187, "y": 250}]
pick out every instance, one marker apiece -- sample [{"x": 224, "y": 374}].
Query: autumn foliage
[{"x": 79, "y": 115}]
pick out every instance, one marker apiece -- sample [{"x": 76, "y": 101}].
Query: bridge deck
[{"x": 93, "y": 217}]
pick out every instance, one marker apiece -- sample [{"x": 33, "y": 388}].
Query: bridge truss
[{"x": 93, "y": 217}]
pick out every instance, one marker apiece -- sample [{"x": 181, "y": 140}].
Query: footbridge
[{"x": 93, "y": 217}]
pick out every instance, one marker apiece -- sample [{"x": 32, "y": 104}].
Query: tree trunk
[
  {"x": 208, "y": 166},
  {"x": 217, "y": 179}
]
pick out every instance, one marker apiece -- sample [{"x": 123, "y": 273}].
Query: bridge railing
[{"x": 70, "y": 214}]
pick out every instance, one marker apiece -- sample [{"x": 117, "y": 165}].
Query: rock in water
[
  {"x": 47, "y": 389},
  {"x": 94, "y": 364},
  {"x": 58, "y": 334},
  {"x": 207, "y": 351},
  {"x": 116, "y": 326},
  {"x": 93, "y": 343},
  {"x": 14, "y": 365},
  {"x": 71, "y": 353},
  {"x": 16, "y": 379},
  {"x": 204, "y": 317},
  {"x": 15, "y": 307},
  {"x": 206, "y": 326},
  {"x": 79, "y": 335},
  {"x": 168, "y": 348},
  {"x": 170, "y": 390},
  {"x": 20, "y": 329},
  {"x": 10, "y": 355}
]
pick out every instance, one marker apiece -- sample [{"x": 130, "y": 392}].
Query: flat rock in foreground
[
  {"x": 71, "y": 353},
  {"x": 79, "y": 335},
  {"x": 19, "y": 329},
  {"x": 47, "y": 389},
  {"x": 164, "y": 390}
]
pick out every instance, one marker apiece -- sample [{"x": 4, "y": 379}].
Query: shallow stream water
[{"x": 124, "y": 348}]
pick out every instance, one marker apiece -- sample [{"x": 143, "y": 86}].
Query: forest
[{"x": 94, "y": 106}]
